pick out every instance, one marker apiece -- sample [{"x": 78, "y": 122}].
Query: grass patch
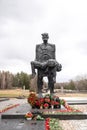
[
  {"x": 20, "y": 92},
  {"x": 14, "y": 93}
]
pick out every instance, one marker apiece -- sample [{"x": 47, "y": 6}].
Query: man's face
[{"x": 45, "y": 39}]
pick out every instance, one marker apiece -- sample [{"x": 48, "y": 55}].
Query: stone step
[{"x": 65, "y": 116}]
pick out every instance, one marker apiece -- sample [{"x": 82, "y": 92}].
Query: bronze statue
[{"x": 45, "y": 63}]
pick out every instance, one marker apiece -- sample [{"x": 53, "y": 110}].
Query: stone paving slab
[
  {"x": 20, "y": 111},
  {"x": 12, "y": 101},
  {"x": 23, "y": 108},
  {"x": 3, "y": 99},
  {"x": 16, "y": 112},
  {"x": 20, "y": 124},
  {"x": 74, "y": 124}
]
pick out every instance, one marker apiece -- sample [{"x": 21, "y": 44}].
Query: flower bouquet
[
  {"x": 28, "y": 116},
  {"x": 38, "y": 118},
  {"x": 32, "y": 99},
  {"x": 52, "y": 124},
  {"x": 48, "y": 101}
]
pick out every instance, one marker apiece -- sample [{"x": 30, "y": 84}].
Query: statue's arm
[
  {"x": 54, "y": 51},
  {"x": 36, "y": 57},
  {"x": 33, "y": 63}
]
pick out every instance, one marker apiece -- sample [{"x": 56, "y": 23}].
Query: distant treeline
[
  {"x": 19, "y": 80},
  {"x": 80, "y": 84},
  {"x": 10, "y": 81}
]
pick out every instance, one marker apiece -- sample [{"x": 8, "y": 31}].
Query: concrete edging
[{"x": 65, "y": 116}]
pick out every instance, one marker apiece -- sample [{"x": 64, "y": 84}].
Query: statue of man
[{"x": 45, "y": 63}]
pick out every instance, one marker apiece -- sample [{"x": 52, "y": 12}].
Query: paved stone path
[
  {"x": 74, "y": 124},
  {"x": 12, "y": 101},
  {"x": 21, "y": 124},
  {"x": 82, "y": 108}
]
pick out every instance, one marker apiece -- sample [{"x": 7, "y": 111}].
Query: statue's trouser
[
  {"x": 51, "y": 84},
  {"x": 40, "y": 83},
  {"x": 51, "y": 80}
]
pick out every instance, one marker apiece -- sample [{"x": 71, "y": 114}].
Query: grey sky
[{"x": 23, "y": 21}]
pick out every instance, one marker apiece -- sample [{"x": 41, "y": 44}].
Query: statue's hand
[{"x": 59, "y": 67}]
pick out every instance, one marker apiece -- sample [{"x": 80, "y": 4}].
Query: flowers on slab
[
  {"x": 32, "y": 116},
  {"x": 68, "y": 110},
  {"x": 43, "y": 102},
  {"x": 9, "y": 107},
  {"x": 52, "y": 124},
  {"x": 62, "y": 101},
  {"x": 49, "y": 101},
  {"x": 59, "y": 112},
  {"x": 28, "y": 115},
  {"x": 38, "y": 117},
  {"x": 46, "y": 105},
  {"x": 32, "y": 98}
]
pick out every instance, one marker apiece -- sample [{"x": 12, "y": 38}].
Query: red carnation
[{"x": 46, "y": 105}]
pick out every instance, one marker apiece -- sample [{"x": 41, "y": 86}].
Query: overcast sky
[{"x": 23, "y": 21}]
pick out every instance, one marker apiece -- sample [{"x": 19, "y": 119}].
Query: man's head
[{"x": 45, "y": 36}]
